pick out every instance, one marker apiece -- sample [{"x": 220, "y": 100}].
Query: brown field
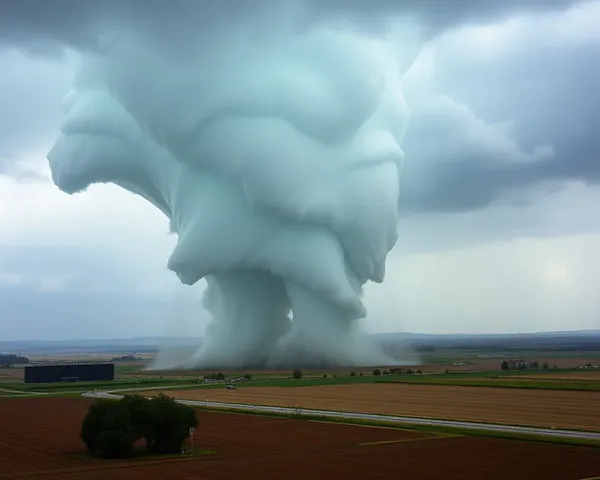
[
  {"x": 11, "y": 374},
  {"x": 592, "y": 375},
  {"x": 543, "y": 408},
  {"x": 40, "y": 440}
]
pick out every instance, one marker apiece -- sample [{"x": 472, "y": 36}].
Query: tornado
[{"x": 276, "y": 157}]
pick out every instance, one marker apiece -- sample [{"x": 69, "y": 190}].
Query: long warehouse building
[{"x": 69, "y": 372}]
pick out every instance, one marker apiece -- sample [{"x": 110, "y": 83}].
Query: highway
[{"x": 573, "y": 434}]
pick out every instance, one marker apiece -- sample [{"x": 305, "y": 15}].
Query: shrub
[
  {"x": 297, "y": 374},
  {"x": 353, "y": 373},
  {"x": 376, "y": 372}
]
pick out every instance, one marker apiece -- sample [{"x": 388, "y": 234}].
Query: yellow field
[{"x": 542, "y": 408}]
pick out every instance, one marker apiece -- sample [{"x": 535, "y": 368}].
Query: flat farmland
[
  {"x": 542, "y": 408},
  {"x": 40, "y": 440},
  {"x": 11, "y": 374}
]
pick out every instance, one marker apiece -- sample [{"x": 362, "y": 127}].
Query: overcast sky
[{"x": 500, "y": 229}]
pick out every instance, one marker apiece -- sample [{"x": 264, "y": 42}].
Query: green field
[{"x": 494, "y": 378}]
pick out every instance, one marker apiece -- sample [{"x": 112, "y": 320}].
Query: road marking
[
  {"x": 386, "y": 442},
  {"x": 385, "y": 427},
  {"x": 406, "y": 440}
]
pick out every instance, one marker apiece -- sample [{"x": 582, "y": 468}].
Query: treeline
[
  {"x": 8, "y": 360},
  {"x": 220, "y": 376},
  {"x": 509, "y": 343},
  {"x": 126, "y": 358},
  {"x": 525, "y": 365}
]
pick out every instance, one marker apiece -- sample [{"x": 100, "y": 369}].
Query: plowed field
[
  {"x": 593, "y": 375},
  {"x": 40, "y": 440},
  {"x": 543, "y": 408}
]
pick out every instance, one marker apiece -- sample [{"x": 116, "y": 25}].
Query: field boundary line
[{"x": 408, "y": 440}]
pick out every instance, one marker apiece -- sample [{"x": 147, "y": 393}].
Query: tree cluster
[
  {"x": 111, "y": 428},
  {"x": 126, "y": 358},
  {"x": 522, "y": 365},
  {"x": 9, "y": 359}
]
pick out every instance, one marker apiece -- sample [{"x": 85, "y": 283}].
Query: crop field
[
  {"x": 592, "y": 375},
  {"x": 542, "y": 408},
  {"x": 545, "y": 381},
  {"x": 40, "y": 440}
]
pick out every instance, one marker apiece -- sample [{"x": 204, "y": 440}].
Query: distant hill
[
  {"x": 559, "y": 341},
  {"x": 582, "y": 340}
]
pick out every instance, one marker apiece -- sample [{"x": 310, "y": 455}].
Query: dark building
[{"x": 70, "y": 372}]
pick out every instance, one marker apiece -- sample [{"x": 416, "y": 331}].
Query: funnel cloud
[{"x": 275, "y": 154}]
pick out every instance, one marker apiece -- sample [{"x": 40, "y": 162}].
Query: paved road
[{"x": 380, "y": 418}]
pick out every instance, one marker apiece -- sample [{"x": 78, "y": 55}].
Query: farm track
[
  {"x": 559, "y": 409},
  {"x": 41, "y": 441}
]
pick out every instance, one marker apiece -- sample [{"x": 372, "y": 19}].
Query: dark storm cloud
[
  {"x": 546, "y": 88},
  {"x": 436, "y": 15},
  {"x": 536, "y": 87},
  {"x": 30, "y": 93},
  {"x": 42, "y": 25}
]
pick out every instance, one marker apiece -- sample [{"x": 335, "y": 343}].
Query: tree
[
  {"x": 297, "y": 374},
  {"x": 107, "y": 430},
  {"x": 504, "y": 365},
  {"x": 376, "y": 372},
  {"x": 220, "y": 376},
  {"x": 111, "y": 428},
  {"x": 140, "y": 414},
  {"x": 169, "y": 424},
  {"x": 545, "y": 366},
  {"x": 353, "y": 373}
]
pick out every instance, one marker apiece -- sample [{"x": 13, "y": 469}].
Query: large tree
[{"x": 111, "y": 428}]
